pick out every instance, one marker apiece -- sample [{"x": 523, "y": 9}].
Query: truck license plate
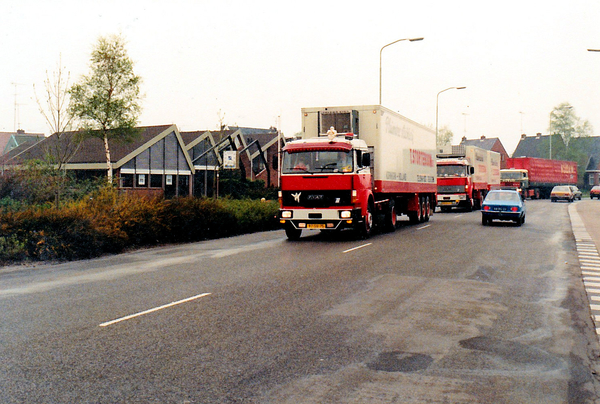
[{"x": 315, "y": 226}]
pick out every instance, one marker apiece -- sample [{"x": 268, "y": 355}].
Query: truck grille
[
  {"x": 316, "y": 199},
  {"x": 450, "y": 189}
]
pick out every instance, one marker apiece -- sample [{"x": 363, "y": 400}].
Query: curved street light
[
  {"x": 381, "y": 50},
  {"x": 436, "y": 108}
]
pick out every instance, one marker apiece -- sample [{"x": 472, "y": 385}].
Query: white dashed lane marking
[{"x": 589, "y": 263}]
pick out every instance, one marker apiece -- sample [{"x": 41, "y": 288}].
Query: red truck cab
[{"x": 326, "y": 184}]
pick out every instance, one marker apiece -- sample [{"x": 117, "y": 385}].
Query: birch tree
[{"x": 107, "y": 101}]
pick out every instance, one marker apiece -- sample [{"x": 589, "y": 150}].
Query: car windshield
[{"x": 503, "y": 196}]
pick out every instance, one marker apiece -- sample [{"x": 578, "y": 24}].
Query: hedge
[{"x": 109, "y": 222}]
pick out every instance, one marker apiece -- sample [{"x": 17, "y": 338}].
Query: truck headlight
[
  {"x": 286, "y": 214},
  {"x": 345, "y": 214}
]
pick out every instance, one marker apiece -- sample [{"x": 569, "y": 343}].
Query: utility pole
[{"x": 16, "y": 116}]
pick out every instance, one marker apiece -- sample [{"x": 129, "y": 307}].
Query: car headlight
[{"x": 286, "y": 214}]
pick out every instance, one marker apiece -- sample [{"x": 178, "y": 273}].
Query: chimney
[
  {"x": 538, "y": 135},
  {"x": 20, "y": 132},
  {"x": 482, "y": 137},
  {"x": 523, "y": 136},
  {"x": 464, "y": 139}
]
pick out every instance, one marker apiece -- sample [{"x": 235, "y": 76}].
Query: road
[{"x": 444, "y": 312}]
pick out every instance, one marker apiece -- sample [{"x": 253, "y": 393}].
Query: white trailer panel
[{"x": 404, "y": 151}]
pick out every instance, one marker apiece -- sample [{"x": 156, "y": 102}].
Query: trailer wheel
[
  {"x": 417, "y": 217},
  {"x": 391, "y": 218},
  {"x": 292, "y": 233}
]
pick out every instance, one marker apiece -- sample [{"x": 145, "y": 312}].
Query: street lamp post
[
  {"x": 380, "y": 52},
  {"x": 436, "y": 108}
]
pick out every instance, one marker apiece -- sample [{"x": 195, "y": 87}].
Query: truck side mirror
[
  {"x": 472, "y": 170},
  {"x": 366, "y": 160}
]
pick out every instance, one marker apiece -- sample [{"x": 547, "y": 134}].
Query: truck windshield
[
  {"x": 317, "y": 162},
  {"x": 451, "y": 171},
  {"x": 514, "y": 176}
]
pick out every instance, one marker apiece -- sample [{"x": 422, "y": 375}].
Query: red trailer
[{"x": 536, "y": 177}]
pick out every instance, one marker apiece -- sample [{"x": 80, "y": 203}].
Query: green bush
[{"x": 109, "y": 222}]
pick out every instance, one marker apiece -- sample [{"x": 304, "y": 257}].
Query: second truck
[
  {"x": 465, "y": 174},
  {"x": 357, "y": 168}
]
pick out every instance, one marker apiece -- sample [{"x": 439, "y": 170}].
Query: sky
[{"x": 257, "y": 63}]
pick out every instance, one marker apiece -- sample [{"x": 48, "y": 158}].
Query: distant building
[
  {"x": 12, "y": 140},
  {"x": 493, "y": 144}
]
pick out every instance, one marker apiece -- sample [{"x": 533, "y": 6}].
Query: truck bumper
[
  {"x": 320, "y": 219},
  {"x": 451, "y": 200}
]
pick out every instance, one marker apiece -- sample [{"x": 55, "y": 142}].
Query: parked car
[
  {"x": 503, "y": 205},
  {"x": 562, "y": 192},
  {"x": 576, "y": 192},
  {"x": 595, "y": 192}
]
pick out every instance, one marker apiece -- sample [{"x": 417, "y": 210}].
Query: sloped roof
[
  {"x": 529, "y": 146},
  {"x": 484, "y": 143},
  {"x": 91, "y": 150}
]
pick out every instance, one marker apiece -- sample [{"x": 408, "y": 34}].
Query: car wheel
[{"x": 484, "y": 220}]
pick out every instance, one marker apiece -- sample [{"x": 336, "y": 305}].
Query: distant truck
[
  {"x": 356, "y": 167},
  {"x": 535, "y": 177},
  {"x": 465, "y": 174}
]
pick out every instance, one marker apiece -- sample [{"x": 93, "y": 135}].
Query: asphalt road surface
[{"x": 448, "y": 311}]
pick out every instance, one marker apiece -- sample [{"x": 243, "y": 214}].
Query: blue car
[{"x": 503, "y": 205}]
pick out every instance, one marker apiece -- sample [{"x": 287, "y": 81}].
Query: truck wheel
[
  {"x": 365, "y": 229},
  {"x": 470, "y": 205},
  {"x": 292, "y": 233},
  {"x": 427, "y": 209}
]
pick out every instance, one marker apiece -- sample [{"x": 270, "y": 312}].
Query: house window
[
  {"x": 127, "y": 180},
  {"x": 591, "y": 179},
  {"x": 169, "y": 180},
  {"x": 156, "y": 181},
  {"x": 141, "y": 179}
]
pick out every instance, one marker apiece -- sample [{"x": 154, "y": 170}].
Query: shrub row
[{"x": 109, "y": 223}]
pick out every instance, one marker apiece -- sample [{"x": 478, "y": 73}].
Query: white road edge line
[
  {"x": 356, "y": 248},
  {"x": 424, "y": 227},
  {"x": 141, "y": 313}
]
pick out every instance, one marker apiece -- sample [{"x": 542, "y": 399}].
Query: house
[
  {"x": 493, "y": 144},
  {"x": 154, "y": 163},
  {"x": 539, "y": 146},
  {"x": 161, "y": 160},
  {"x": 11, "y": 140},
  {"x": 256, "y": 152}
]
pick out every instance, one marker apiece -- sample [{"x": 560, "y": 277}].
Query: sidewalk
[
  {"x": 586, "y": 230},
  {"x": 589, "y": 211}
]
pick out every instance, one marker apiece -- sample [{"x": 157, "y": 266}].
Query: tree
[
  {"x": 565, "y": 123},
  {"x": 444, "y": 136},
  {"x": 574, "y": 133},
  {"x": 55, "y": 109},
  {"x": 107, "y": 102}
]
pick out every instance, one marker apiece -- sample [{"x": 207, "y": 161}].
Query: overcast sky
[{"x": 259, "y": 62}]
